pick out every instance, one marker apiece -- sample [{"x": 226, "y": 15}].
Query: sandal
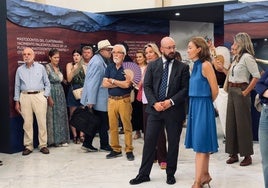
[
  {"x": 137, "y": 136},
  {"x": 76, "y": 140},
  {"x": 163, "y": 165},
  {"x": 82, "y": 139},
  {"x": 197, "y": 185}
]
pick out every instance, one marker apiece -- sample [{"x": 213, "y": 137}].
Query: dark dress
[
  {"x": 201, "y": 133},
  {"x": 57, "y": 117},
  {"x": 77, "y": 82}
]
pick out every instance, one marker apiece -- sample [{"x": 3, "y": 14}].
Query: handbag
[
  {"x": 84, "y": 119},
  {"x": 77, "y": 93}
]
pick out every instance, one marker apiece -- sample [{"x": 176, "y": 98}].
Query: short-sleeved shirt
[
  {"x": 240, "y": 71},
  {"x": 117, "y": 74}
]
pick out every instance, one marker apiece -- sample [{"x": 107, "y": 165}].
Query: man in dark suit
[{"x": 167, "y": 110}]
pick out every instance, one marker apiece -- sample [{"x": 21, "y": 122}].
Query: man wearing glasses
[
  {"x": 119, "y": 104},
  {"x": 166, "y": 86}
]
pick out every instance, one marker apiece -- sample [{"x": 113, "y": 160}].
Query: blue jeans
[{"x": 263, "y": 141}]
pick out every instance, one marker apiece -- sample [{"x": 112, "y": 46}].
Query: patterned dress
[
  {"x": 57, "y": 117},
  {"x": 201, "y": 133}
]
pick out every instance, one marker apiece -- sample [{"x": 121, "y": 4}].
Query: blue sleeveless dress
[{"x": 201, "y": 133}]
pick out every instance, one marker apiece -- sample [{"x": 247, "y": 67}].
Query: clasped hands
[{"x": 162, "y": 105}]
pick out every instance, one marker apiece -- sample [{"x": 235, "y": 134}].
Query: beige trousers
[{"x": 37, "y": 104}]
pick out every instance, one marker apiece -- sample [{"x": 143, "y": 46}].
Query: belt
[
  {"x": 119, "y": 97},
  {"x": 231, "y": 84},
  {"x": 31, "y": 92}
]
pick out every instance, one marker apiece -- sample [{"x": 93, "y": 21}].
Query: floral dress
[{"x": 57, "y": 117}]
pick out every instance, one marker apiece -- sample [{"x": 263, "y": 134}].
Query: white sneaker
[{"x": 64, "y": 145}]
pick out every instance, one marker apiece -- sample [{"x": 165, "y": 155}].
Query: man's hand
[
  {"x": 17, "y": 107},
  {"x": 50, "y": 101},
  {"x": 165, "y": 104},
  {"x": 158, "y": 107}
]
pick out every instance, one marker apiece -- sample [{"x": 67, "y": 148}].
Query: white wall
[
  {"x": 96, "y": 6},
  {"x": 183, "y": 31}
]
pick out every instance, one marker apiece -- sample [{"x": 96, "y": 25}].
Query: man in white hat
[
  {"x": 104, "y": 45},
  {"x": 94, "y": 96}
]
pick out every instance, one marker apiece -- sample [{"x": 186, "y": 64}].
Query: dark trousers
[
  {"x": 161, "y": 148},
  {"x": 102, "y": 129},
  {"x": 154, "y": 125}
]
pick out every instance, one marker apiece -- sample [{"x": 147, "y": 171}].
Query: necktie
[{"x": 163, "y": 85}]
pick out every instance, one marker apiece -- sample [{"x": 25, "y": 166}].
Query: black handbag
[{"x": 84, "y": 119}]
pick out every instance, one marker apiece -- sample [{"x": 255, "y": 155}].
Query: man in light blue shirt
[
  {"x": 32, "y": 88},
  {"x": 95, "y": 96}
]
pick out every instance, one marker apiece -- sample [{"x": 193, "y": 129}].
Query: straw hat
[{"x": 104, "y": 44}]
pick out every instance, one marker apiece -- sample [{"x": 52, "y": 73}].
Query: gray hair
[
  {"x": 122, "y": 48},
  {"x": 244, "y": 43}
]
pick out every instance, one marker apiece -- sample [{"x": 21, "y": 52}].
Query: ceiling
[{"x": 209, "y": 13}]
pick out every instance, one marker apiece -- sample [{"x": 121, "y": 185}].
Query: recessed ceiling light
[{"x": 177, "y": 14}]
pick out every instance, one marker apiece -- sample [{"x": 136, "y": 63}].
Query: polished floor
[{"x": 70, "y": 167}]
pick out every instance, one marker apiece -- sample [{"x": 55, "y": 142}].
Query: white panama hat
[{"x": 104, "y": 44}]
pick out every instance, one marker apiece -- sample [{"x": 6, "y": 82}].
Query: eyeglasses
[
  {"x": 107, "y": 49},
  {"x": 170, "y": 48},
  {"x": 116, "y": 53}
]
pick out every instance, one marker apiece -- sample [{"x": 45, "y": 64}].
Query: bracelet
[{"x": 113, "y": 81}]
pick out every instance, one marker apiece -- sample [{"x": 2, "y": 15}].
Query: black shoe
[
  {"x": 89, "y": 148},
  {"x": 139, "y": 179},
  {"x": 1, "y": 163},
  {"x": 171, "y": 180},
  {"x": 130, "y": 156},
  {"x": 106, "y": 148},
  {"x": 113, "y": 154}
]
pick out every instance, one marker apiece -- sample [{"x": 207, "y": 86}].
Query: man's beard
[{"x": 169, "y": 56}]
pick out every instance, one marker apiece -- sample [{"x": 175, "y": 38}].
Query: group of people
[{"x": 161, "y": 95}]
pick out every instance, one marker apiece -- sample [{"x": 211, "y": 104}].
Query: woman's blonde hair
[
  {"x": 154, "y": 48},
  {"x": 244, "y": 44}
]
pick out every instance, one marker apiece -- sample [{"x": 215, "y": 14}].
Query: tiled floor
[{"x": 69, "y": 167}]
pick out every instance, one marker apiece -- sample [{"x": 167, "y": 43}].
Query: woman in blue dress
[{"x": 201, "y": 133}]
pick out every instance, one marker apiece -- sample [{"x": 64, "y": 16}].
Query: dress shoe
[
  {"x": 89, "y": 148},
  {"x": 44, "y": 150},
  {"x": 113, "y": 154},
  {"x": 106, "y": 148},
  {"x": 232, "y": 159},
  {"x": 130, "y": 156},
  {"x": 26, "y": 151},
  {"x": 246, "y": 161},
  {"x": 171, "y": 180},
  {"x": 139, "y": 179}
]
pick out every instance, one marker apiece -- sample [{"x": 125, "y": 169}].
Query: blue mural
[
  {"x": 33, "y": 15},
  {"x": 246, "y": 12}
]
